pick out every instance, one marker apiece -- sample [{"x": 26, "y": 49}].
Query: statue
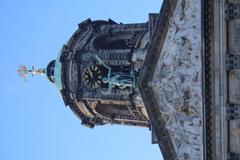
[
  {"x": 23, "y": 71},
  {"x": 122, "y": 80}
]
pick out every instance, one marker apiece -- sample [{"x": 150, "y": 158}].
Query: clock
[{"x": 93, "y": 76}]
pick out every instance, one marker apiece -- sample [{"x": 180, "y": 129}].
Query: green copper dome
[
  {"x": 57, "y": 73},
  {"x": 50, "y": 71},
  {"x": 53, "y": 72}
]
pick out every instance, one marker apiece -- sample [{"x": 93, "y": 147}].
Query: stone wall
[{"x": 177, "y": 80}]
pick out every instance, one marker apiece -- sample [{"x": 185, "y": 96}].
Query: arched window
[
  {"x": 108, "y": 109},
  {"x": 107, "y": 41}
]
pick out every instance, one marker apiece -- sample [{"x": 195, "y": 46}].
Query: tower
[
  {"x": 97, "y": 73},
  {"x": 81, "y": 72}
]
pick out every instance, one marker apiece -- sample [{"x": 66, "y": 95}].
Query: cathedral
[{"x": 177, "y": 74}]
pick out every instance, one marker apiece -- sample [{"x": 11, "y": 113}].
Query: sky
[{"x": 35, "y": 124}]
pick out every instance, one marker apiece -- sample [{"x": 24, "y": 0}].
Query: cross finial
[{"x": 23, "y": 71}]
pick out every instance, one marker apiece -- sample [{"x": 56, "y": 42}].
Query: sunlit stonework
[{"x": 177, "y": 74}]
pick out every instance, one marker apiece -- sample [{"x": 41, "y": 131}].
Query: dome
[
  {"x": 50, "y": 71},
  {"x": 58, "y": 73},
  {"x": 53, "y": 72}
]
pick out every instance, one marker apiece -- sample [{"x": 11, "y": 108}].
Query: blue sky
[{"x": 35, "y": 124}]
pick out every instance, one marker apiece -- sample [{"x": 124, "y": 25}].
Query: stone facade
[
  {"x": 177, "y": 80},
  {"x": 180, "y": 71},
  {"x": 221, "y": 61}
]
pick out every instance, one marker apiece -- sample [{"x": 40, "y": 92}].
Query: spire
[{"x": 23, "y": 71}]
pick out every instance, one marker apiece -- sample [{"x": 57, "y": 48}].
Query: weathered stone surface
[
  {"x": 177, "y": 80},
  {"x": 234, "y": 1},
  {"x": 234, "y": 86},
  {"x": 234, "y": 36},
  {"x": 235, "y": 136}
]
